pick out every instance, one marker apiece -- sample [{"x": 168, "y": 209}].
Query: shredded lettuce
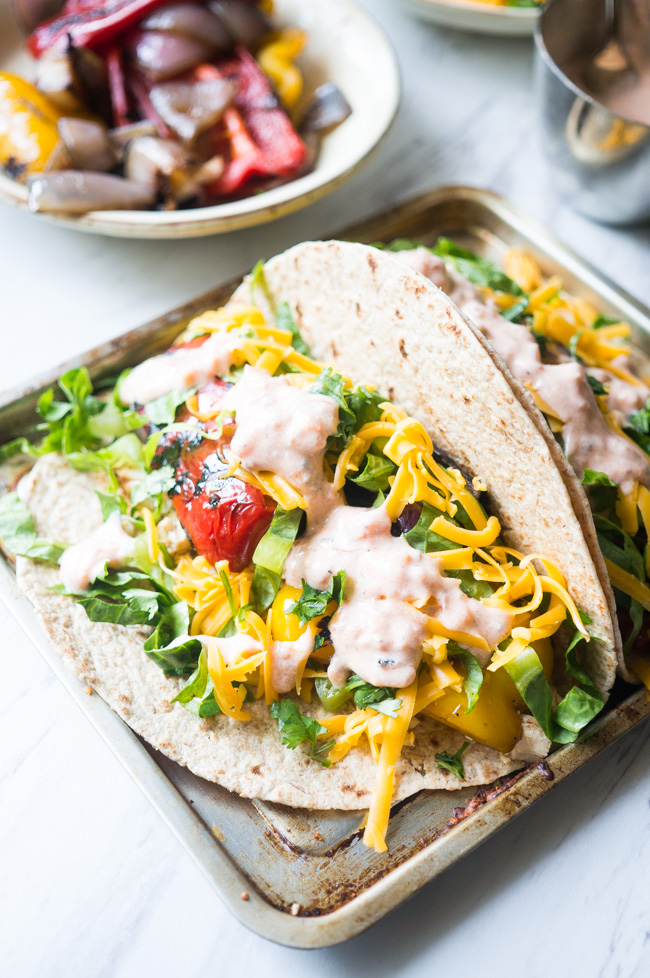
[
  {"x": 285, "y": 320},
  {"x": 276, "y": 543},
  {"x": 581, "y": 704},
  {"x": 473, "y": 673}
]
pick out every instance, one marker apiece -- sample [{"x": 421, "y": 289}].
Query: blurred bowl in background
[
  {"x": 345, "y": 46},
  {"x": 599, "y": 158},
  {"x": 479, "y": 16}
]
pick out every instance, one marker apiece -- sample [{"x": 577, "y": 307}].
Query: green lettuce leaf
[
  {"x": 452, "y": 762},
  {"x": 470, "y": 586},
  {"x": 18, "y": 533},
  {"x": 473, "y": 673},
  {"x": 276, "y": 543},
  {"x": 266, "y": 584},
  {"x": 313, "y": 602},
  {"x": 379, "y": 698},
  {"x": 479, "y": 271},
  {"x": 420, "y": 537},
  {"x": 162, "y": 410},
  {"x": 593, "y": 478},
  {"x": 285, "y": 320},
  {"x": 562, "y": 724},
  {"x": 596, "y": 385},
  {"x": 295, "y": 729},
  {"x": 375, "y": 473}
]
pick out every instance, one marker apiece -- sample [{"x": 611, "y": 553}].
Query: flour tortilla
[
  {"x": 383, "y": 324},
  {"x": 244, "y": 757}
]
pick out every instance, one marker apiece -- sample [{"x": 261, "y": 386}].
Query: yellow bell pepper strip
[
  {"x": 276, "y": 59},
  {"x": 28, "y": 132}
]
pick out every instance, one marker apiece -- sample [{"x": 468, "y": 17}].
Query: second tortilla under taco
[
  {"x": 589, "y": 385},
  {"x": 277, "y": 535}
]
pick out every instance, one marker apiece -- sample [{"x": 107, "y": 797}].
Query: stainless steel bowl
[{"x": 600, "y": 160}]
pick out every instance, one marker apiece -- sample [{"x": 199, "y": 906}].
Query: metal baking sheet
[{"x": 307, "y": 878}]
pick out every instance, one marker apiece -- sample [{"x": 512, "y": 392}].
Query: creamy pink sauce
[
  {"x": 284, "y": 429},
  {"x": 287, "y": 658},
  {"x": 179, "y": 369},
  {"x": 81, "y": 563},
  {"x": 588, "y": 441},
  {"x": 624, "y": 397},
  {"x": 375, "y": 632},
  {"x": 233, "y": 647}
]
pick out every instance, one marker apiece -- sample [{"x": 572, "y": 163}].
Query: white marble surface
[{"x": 92, "y": 883}]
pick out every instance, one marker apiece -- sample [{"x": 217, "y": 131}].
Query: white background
[{"x": 92, "y": 883}]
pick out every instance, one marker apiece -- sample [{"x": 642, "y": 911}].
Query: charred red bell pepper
[
  {"x": 117, "y": 86},
  {"x": 224, "y": 518},
  {"x": 256, "y": 133},
  {"x": 89, "y": 23}
]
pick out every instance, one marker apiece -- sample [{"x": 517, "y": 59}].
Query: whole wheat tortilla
[
  {"x": 244, "y": 757},
  {"x": 381, "y": 323},
  {"x": 384, "y": 325}
]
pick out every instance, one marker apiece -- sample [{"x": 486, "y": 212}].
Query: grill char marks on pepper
[{"x": 224, "y": 517}]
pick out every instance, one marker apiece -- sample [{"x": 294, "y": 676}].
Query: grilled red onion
[
  {"x": 168, "y": 170},
  {"x": 327, "y": 108},
  {"x": 31, "y": 13},
  {"x": 189, "y": 108},
  {"x": 160, "y": 165},
  {"x": 244, "y": 21},
  {"x": 76, "y": 192},
  {"x": 88, "y": 144},
  {"x": 164, "y": 55},
  {"x": 59, "y": 158},
  {"x": 122, "y": 135},
  {"x": 192, "y": 20},
  {"x": 74, "y": 79}
]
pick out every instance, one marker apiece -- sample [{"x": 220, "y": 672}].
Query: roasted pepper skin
[{"x": 28, "y": 131}]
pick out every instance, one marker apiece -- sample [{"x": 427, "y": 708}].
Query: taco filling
[
  {"x": 291, "y": 538},
  {"x": 577, "y": 366}
]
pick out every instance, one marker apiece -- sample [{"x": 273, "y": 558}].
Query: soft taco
[
  {"x": 589, "y": 385},
  {"x": 319, "y": 551}
]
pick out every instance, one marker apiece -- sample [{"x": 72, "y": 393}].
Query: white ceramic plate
[
  {"x": 472, "y": 15},
  {"x": 345, "y": 46}
]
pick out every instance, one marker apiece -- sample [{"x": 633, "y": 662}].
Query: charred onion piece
[
  {"x": 327, "y": 108},
  {"x": 88, "y": 144},
  {"x": 189, "y": 108},
  {"x": 245, "y": 22},
  {"x": 163, "y": 55},
  {"x": 123, "y": 135},
  {"x": 59, "y": 158},
  {"x": 162, "y": 166},
  {"x": 31, "y": 13},
  {"x": 74, "y": 80},
  {"x": 76, "y": 192},
  {"x": 193, "y": 21},
  {"x": 168, "y": 170}
]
